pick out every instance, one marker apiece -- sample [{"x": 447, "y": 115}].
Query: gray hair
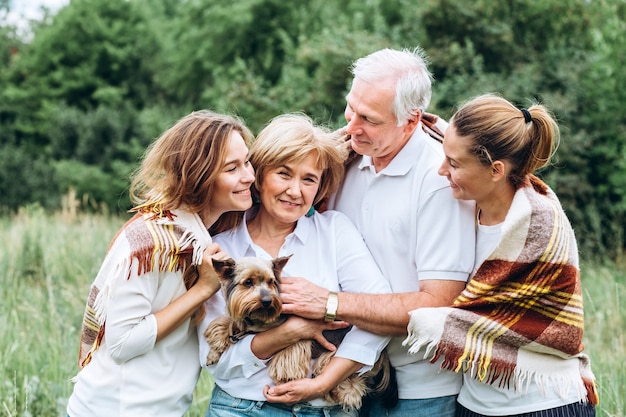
[{"x": 410, "y": 70}]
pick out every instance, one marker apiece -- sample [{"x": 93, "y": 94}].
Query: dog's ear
[
  {"x": 278, "y": 264},
  {"x": 225, "y": 268}
]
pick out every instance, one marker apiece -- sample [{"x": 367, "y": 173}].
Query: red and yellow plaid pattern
[
  {"x": 525, "y": 296},
  {"x": 154, "y": 245}
]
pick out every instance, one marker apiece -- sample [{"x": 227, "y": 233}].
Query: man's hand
[{"x": 303, "y": 298}]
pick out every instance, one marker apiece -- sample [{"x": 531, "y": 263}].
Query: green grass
[{"x": 48, "y": 262}]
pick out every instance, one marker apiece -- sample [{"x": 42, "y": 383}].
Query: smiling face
[
  {"x": 288, "y": 191},
  {"x": 232, "y": 188},
  {"x": 372, "y": 126},
  {"x": 468, "y": 177}
]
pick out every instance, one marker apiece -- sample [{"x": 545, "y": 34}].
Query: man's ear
[{"x": 411, "y": 123}]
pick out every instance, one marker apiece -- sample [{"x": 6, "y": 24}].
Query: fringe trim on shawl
[
  {"x": 528, "y": 288},
  {"x": 158, "y": 244},
  {"x": 503, "y": 373}
]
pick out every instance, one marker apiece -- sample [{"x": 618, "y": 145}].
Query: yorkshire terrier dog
[{"x": 251, "y": 288}]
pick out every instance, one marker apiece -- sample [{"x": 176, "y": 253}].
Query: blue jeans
[
  {"x": 429, "y": 407},
  {"x": 224, "y": 405}
]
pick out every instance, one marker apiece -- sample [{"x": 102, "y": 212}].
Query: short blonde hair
[{"x": 290, "y": 138}]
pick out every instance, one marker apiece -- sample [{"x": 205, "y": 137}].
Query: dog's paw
[
  {"x": 218, "y": 337},
  {"x": 293, "y": 362},
  {"x": 349, "y": 393},
  {"x": 213, "y": 357}
]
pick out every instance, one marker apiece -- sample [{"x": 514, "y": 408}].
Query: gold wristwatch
[{"x": 331, "y": 307}]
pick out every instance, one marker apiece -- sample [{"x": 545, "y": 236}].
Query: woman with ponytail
[{"x": 516, "y": 330}]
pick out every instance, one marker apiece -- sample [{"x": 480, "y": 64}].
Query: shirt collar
[
  {"x": 300, "y": 234},
  {"x": 402, "y": 163}
]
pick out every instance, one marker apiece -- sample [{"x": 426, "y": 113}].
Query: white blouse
[{"x": 327, "y": 250}]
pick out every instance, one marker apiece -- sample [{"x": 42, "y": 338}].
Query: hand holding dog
[
  {"x": 306, "y": 389},
  {"x": 294, "y": 329},
  {"x": 303, "y": 298},
  {"x": 296, "y": 391},
  {"x": 207, "y": 277},
  {"x": 312, "y": 329},
  {"x": 179, "y": 310}
]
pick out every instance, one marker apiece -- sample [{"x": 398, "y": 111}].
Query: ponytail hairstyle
[{"x": 497, "y": 130}]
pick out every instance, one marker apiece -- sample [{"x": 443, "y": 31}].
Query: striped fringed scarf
[
  {"x": 522, "y": 311},
  {"x": 157, "y": 242}
]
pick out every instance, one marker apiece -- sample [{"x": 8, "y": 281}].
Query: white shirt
[
  {"x": 416, "y": 230},
  {"x": 328, "y": 251},
  {"x": 131, "y": 375},
  {"x": 535, "y": 395}
]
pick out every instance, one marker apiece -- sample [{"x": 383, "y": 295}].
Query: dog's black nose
[{"x": 266, "y": 301}]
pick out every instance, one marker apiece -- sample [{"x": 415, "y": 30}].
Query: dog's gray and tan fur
[{"x": 251, "y": 288}]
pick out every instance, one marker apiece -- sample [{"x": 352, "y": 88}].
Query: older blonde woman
[{"x": 297, "y": 165}]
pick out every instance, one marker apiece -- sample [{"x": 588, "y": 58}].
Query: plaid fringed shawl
[
  {"x": 522, "y": 312},
  {"x": 153, "y": 240}
]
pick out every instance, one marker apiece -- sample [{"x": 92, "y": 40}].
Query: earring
[{"x": 310, "y": 212}]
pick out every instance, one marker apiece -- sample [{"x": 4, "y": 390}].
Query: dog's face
[{"x": 251, "y": 288}]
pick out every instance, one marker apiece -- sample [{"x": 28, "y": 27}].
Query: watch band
[{"x": 331, "y": 307}]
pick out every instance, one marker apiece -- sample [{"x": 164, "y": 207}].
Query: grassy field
[{"x": 48, "y": 263}]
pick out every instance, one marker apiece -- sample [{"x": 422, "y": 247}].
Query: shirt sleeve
[
  {"x": 131, "y": 328},
  {"x": 447, "y": 237},
  {"x": 238, "y": 361},
  {"x": 213, "y": 308}
]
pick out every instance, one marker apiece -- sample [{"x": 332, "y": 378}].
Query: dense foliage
[{"x": 99, "y": 80}]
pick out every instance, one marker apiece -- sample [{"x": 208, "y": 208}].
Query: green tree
[{"x": 100, "y": 80}]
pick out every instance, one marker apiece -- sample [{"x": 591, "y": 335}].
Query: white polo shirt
[
  {"x": 416, "y": 230},
  {"x": 327, "y": 250}
]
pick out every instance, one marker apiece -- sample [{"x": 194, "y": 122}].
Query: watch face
[{"x": 331, "y": 307}]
